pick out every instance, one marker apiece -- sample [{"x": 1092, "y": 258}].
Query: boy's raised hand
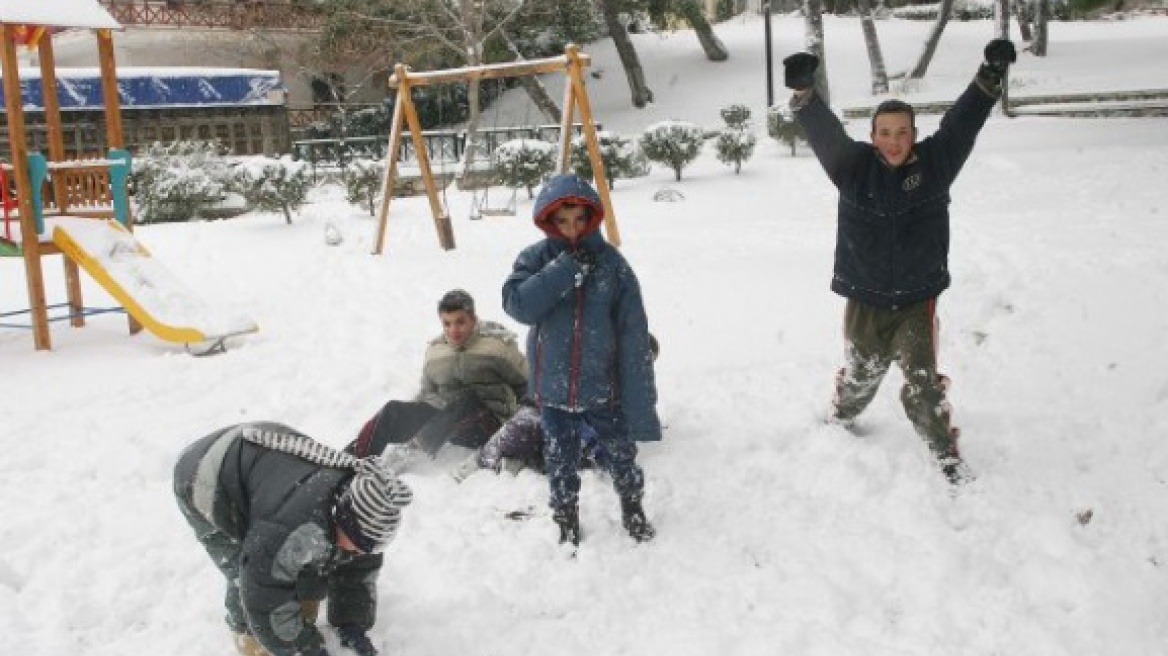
[
  {"x": 999, "y": 54},
  {"x": 799, "y": 71}
]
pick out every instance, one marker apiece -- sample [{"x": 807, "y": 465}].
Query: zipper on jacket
[{"x": 577, "y": 338}]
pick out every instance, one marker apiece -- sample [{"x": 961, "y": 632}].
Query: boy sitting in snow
[{"x": 472, "y": 379}]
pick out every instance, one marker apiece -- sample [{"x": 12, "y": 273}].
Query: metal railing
[{"x": 442, "y": 146}]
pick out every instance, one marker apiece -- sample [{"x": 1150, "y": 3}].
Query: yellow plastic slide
[{"x": 146, "y": 289}]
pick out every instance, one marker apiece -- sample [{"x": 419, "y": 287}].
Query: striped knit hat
[{"x": 369, "y": 510}]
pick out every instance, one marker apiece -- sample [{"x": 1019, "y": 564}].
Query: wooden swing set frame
[{"x": 572, "y": 63}]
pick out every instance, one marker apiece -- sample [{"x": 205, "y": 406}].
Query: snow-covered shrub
[
  {"x": 620, "y": 155},
  {"x": 735, "y": 146},
  {"x": 736, "y": 116},
  {"x": 274, "y": 184},
  {"x": 524, "y": 163},
  {"x": 782, "y": 126},
  {"x": 172, "y": 182},
  {"x": 672, "y": 143},
  {"x": 363, "y": 178},
  {"x": 963, "y": 10},
  {"x": 735, "y": 143}
]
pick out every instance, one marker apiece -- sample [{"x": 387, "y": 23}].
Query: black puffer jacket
[
  {"x": 892, "y": 241},
  {"x": 278, "y": 506}
]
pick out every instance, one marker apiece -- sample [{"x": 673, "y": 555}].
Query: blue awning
[{"x": 80, "y": 88}]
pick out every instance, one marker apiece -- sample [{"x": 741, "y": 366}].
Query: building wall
[{"x": 136, "y": 46}]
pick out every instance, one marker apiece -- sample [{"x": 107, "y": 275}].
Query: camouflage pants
[{"x": 874, "y": 338}]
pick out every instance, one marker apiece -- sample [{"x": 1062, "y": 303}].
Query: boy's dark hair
[
  {"x": 455, "y": 300},
  {"x": 895, "y": 107}
]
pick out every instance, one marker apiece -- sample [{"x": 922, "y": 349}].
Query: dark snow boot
[
  {"x": 568, "y": 519},
  {"x": 634, "y": 521}
]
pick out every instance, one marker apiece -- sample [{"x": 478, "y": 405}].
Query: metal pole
[{"x": 770, "y": 77}]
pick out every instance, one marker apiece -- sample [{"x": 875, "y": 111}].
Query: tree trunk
[
  {"x": 943, "y": 11},
  {"x": 1041, "y": 11},
  {"x": 813, "y": 9},
  {"x": 1023, "y": 20},
  {"x": 711, "y": 44},
  {"x": 1002, "y": 31},
  {"x": 472, "y": 41},
  {"x": 471, "y": 146},
  {"x": 641, "y": 93},
  {"x": 534, "y": 87},
  {"x": 875, "y": 58}
]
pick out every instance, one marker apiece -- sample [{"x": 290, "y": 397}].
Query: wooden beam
[
  {"x": 576, "y": 81},
  {"x": 18, "y": 146},
  {"x": 487, "y": 71},
  {"x": 114, "y": 136},
  {"x": 441, "y": 220},
  {"x": 52, "y": 107},
  {"x": 390, "y": 180}
]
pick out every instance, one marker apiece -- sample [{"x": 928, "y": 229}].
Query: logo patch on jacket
[{"x": 912, "y": 182}]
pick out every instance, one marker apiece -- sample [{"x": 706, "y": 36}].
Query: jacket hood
[{"x": 562, "y": 189}]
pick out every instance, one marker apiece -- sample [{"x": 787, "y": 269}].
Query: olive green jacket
[{"x": 489, "y": 364}]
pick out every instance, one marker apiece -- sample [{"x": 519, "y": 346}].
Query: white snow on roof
[{"x": 57, "y": 13}]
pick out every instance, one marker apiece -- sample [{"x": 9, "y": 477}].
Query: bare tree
[
  {"x": 630, "y": 62},
  {"x": 1041, "y": 14},
  {"x": 926, "y": 58},
  {"x": 447, "y": 29},
  {"x": 1002, "y": 31},
  {"x": 875, "y": 57},
  {"x": 534, "y": 87},
  {"x": 1022, "y": 16},
  {"x": 695, "y": 14},
  {"x": 813, "y": 9}
]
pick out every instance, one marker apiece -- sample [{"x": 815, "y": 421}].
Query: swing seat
[
  {"x": 498, "y": 211},
  {"x": 481, "y": 205}
]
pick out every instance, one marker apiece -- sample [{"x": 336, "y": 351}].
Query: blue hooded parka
[{"x": 588, "y": 345}]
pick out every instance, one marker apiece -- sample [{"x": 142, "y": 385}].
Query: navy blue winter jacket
[
  {"x": 892, "y": 240},
  {"x": 588, "y": 346}
]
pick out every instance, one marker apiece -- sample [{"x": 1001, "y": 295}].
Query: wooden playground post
[
  {"x": 571, "y": 63},
  {"x": 114, "y": 136},
  {"x": 18, "y": 146},
  {"x": 52, "y": 107}
]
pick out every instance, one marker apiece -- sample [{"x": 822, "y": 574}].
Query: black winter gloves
[
  {"x": 999, "y": 54},
  {"x": 586, "y": 260},
  {"x": 799, "y": 71},
  {"x": 353, "y": 637}
]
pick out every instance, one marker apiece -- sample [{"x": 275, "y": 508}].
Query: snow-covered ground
[{"x": 777, "y": 535}]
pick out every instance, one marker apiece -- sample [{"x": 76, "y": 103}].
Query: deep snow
[{"x": 776, "y": 534}]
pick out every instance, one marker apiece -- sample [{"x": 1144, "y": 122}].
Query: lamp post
[{"x": 770, "y": 78}]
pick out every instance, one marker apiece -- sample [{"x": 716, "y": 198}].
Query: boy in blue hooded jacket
[{"x": 589, "y": 361}]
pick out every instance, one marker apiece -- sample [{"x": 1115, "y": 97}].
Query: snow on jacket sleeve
[
  {"x": 538, "y": 280},
  {"x": 638, "y": 387}
]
